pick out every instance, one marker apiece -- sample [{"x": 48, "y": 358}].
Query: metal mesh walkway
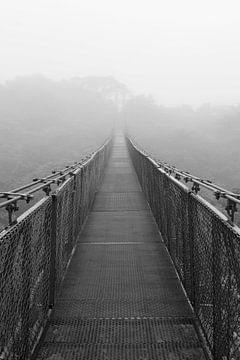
[{"x": 121, "y": 298}]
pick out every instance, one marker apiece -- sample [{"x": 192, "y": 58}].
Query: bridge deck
[{"x": 121, "y": 298}]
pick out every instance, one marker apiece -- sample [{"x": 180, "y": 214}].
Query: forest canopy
[
  {"x": 46, "y": 125},
  {"x": 203, "y": 141}
]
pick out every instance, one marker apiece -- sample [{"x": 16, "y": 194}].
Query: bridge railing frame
[
  {"x": 205, "y": 249},
  {"x": 35, "y": 253}
]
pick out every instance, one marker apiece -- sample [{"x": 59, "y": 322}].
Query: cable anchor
[{"x": 231, "y": 208}]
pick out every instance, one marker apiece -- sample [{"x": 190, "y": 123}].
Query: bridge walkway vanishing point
[{"x": 121, "y": 298}]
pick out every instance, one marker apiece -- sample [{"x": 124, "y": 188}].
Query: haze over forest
[
  {"x": 181, "y": 52},
  {"x": 169, "y": 70},
  {"x": 46, "y": 125}
]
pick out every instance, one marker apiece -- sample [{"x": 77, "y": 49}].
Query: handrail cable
[
  {"x": 219, "y": 192},
  {"x": 57, "y": 177}
]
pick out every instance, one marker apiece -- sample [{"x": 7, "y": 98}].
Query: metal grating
[
  {"x": 123, "y": 330},
  {"x": 120, "y": 163},
  {"x": 120, "y": 182},
  {"x": 120, "y": 155},
  {"x": 34, "y": 253},
  {"x": 205, "y": 250},
  {"x": 119, "y": 352},
  {"x": 121, "y": 298},
  {"x": 119, "y": 201},
  {"x": 117, "y": 171},
  {"x": 25, "y": 253},
  {"x": 123, "y": 307},
  {"x": 122, "y": 228}
]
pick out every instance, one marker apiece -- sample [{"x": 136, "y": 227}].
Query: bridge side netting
[
  {"x": 205, "y": 249},
  {"x": 35, "y": 252},
  {"x": 25, "y": 252}
]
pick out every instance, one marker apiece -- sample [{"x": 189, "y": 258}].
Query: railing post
[
  {"x": 220, "y": 293},
  {"x": 190, "y": 247},
  {"x": 168, "y": 214},
  {"x": 73, "y": 211},
  {"x": 25, "y": 295},
  {"x": 52, "y": 278},
  {"x": 71, "y": 239}
]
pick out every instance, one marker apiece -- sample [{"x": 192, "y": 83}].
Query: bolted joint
[
  {"x": 217, "y": 195},
  {"x": 196, "y": 187},
  {"x": 42, "y": 180},
  {"x": 28, "y": 198},
  {"x": 47, "y": 189},
  {"x": 12, "y": 208},
  {"x": 231, "y": 208}
]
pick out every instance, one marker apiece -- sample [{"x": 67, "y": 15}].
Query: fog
[
  {"x": 71, "y": 70},
  {"x": 204, "y": 142},
  {"x": 181, "y": 52},
  {"x": 46, "y": 125}
]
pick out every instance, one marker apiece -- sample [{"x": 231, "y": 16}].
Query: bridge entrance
[{"x": 121, "y": 298}]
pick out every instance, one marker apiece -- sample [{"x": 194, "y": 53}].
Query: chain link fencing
[
  {"x": 34, "y": 255},
  {"x": 205, "y": 248}
]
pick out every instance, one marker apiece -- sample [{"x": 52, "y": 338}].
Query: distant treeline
[
  {"x": 205, "y": 141},
  {"x": 46, "y": 125}
]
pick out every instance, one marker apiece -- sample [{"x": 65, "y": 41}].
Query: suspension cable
[{"x": 233, "y": 199}]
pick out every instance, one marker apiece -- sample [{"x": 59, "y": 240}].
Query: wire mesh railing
[
  {"x": 205, "y": 248},
  {"x": 35, "y": 251}
]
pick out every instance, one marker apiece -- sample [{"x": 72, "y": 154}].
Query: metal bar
[
  {"x": 227, "y": 196},
  {"x": 32, "y": 270},
  {"x": 11, "y": 201},
  {"x": 33, "y": 183},
  {"x": 192, "y": 178},
  {"x": 25, "y": 294},
  {"x": 211, "y": 250},
  {"x": 65, "y": 171},
  {"x": 7, "y": 194},
  {"x": 219, "y": 191},
  {"x": 52, "y": 276},
  {"x": 40, "y": 187}
]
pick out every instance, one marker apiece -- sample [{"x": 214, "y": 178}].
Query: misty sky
[{"x": 180, "y": 51}]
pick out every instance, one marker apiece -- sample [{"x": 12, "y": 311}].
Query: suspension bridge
[{"x": 121, "y": 261}]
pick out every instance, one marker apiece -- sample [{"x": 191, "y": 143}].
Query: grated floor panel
[
  {"x": 121, "y": 307},
  {"x": 119, "y": 352},
  {"x": 121, "y": 298},
  {"x": 126, "y": 330},
  {"x": 118, "y": 182},
  {"x": 120, "y": 201},
  {"x": 121, "y": 232}
]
